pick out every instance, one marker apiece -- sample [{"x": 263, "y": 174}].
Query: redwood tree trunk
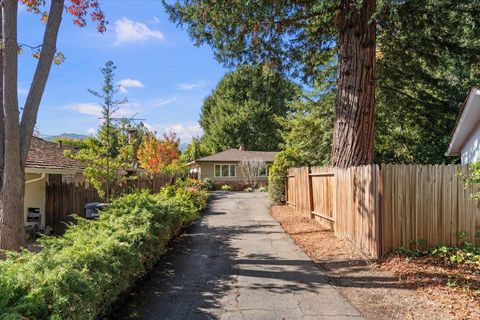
[{"x": 353, "y": 134}]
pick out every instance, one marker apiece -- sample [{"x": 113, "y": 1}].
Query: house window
[
  {"x": 225, "y": 170},
  {"x": 264, "y": 172}
]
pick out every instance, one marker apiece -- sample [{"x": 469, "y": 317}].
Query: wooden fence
[
  {"x": 65, "y": 199},
  {"x": 381, "y": 209}
]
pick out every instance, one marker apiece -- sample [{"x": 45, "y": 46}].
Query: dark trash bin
[{"x": 93, "y": 209}]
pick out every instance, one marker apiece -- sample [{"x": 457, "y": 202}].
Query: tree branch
[
  {"x": 32, "y": 104},
  {"x": 294, "y": 19}
]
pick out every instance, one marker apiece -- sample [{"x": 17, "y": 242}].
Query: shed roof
[
  {"x": 49, "y": 155},
  {"x": 467, "y": 121},
  {"x": 234, "y": 155}
]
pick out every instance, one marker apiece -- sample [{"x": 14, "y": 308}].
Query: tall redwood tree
[
  {"x": 17, "y": 124},
  {"x": 317, "y": 40},
  {"x": 353, "y": 132}
]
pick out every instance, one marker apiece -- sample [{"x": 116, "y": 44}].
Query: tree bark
[
  {"x": 12, "y": 191},
  {"x": 2, "y": 120},
  {"x": 34, "y": 97},
  {"x": 353, "y": 134},
  {"x": 17, "y": 135}
]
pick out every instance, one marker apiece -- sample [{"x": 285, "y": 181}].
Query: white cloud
[
  {"x": 125, "y": 110},
  {"x": 191, "y": 86},
  {"x": 128, "y": 31},
  {"x": 155, "y": 20},
  {"x": 149, "y": 127},
  {"x": 184, "y": 131},
  {"x": 128, "y": 109},
  {"x": 163, "y": 102},
  {"x": 93, "y": 109},
  {"x": 129, "y": 83},
  {"x": 91, "y": 131}
]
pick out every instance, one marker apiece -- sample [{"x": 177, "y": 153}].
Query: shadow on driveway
[{"x": 235, "y": 263}]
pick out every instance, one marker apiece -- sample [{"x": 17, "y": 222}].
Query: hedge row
[{"x": 79, "y": 275}]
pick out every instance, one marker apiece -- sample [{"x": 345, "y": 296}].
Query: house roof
[
  {"x": 235, "y": 155},
  {"x": 467, "y": 121},
  {"x": 49, "y": 155}
]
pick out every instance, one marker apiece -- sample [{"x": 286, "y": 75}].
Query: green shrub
[
  {"x": 466, "y": 253},
  {"x": 262, "y": 189},
  {"x": 210, "y": 185},
  {"x": 78, "y": 275},
  {"x": 226, "y": 187},
  {"x": 248, "y": 189},
  {"x": 276, "y": 176}
]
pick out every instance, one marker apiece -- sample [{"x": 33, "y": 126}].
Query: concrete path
[{"x": 237, "y": 263}]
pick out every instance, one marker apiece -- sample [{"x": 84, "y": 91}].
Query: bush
[
  {"x": 276, "y": 177},
  {"x": 78, "y": 275},
  {"x": 262, "y": 189},
  {"x": 226, "y": 187},
  {"x": 210, "y": 185},
  {"x": 248, "y": 189}
]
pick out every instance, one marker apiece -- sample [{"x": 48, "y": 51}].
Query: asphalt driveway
[{"x": 236, "y": 263}]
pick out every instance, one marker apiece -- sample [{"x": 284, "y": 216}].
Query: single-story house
[
  {"x": 225, "y": 168},
  {"x": 465, "y": 141},
  {"x": 46, "y": 163}
]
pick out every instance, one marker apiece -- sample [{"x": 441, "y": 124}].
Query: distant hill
[{"x": 66, "y": 135}]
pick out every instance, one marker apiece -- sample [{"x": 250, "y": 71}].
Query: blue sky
[{"x": 164, "y": 76}]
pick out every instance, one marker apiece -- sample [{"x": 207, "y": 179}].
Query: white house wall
[
  {"x": 471, "y": 149},
  {"x": 35, "y": 195}
]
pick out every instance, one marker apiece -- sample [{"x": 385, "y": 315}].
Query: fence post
[
  {"x": 286, "y": 189},
  {"x": 378, "y": 216},
  {"x": 310, "y": 193}
]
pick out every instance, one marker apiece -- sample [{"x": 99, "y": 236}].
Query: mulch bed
[{"x": 397, "y": 288}]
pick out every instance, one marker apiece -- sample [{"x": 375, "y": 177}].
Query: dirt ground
[{"x": 398, "y": 288}]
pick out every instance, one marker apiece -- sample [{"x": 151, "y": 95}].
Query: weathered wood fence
[
  {"x": 383, "y": 208},
  {"x": 65, "y": 199}
]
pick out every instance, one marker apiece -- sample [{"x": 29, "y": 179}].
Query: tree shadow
[{"x": 198, "y": 274}]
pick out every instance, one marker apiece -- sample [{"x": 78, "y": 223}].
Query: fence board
[
  {"x": 65, "y": 199},
  {"x": 436, "y": 209},
  {"x": 381, "y": 209}
]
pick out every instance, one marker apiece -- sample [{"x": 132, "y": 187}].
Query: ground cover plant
[
  {"x": 78, "y": 275},
  {"x": 226, "y": 188}
]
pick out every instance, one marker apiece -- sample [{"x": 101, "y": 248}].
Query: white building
[
  {"x": 465, "y": 140},
  {"x": 46, "y": 163}
]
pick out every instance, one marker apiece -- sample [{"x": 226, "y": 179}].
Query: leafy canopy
[
  {"x": 307, "y": 132},
  {"x": 244, "y": 109},
  {"x": 160, "y": 155},
  {"x": 428, "y": 56},
  {"x": 298, "y": 36},
  {"x": 79, "y": 9},
  {"x": 196, "y": 149}
]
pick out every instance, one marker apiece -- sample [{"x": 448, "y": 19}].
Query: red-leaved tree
[
  {"x": 17, "y": 122},
  {"x": 156, "y": 155}
]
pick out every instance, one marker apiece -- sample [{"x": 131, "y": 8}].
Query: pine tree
[{"x": 103, "y": 158}]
